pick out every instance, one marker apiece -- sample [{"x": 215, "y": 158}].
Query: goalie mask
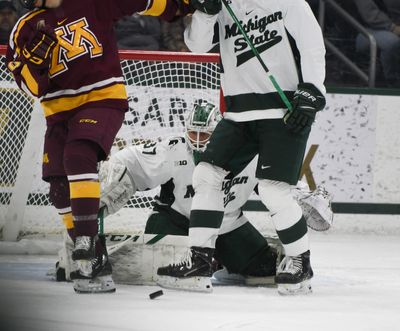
[{"x": 200, "y": 124}]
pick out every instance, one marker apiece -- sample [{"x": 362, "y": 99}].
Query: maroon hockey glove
[
  {"x": 306, "y": 102},
  {"x": 38, "y": 50}
]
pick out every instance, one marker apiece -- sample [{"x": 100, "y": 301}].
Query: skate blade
[
  {"x": 101, "y": 284},
  {"x": 192, "y": 284},
  {"x": 260, "y": 281},
  {"x": 223, "y": 278},
  {"x": 295, "y": 289}
]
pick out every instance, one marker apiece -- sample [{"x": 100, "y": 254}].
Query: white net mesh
[{"x": 161, "y": 87}]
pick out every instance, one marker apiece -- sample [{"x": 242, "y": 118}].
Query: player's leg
[
  {"x": 280, "y": 160},
  {"x": 165, "y": 220},
  {"x": 53, "y": 172},
  {"x": 247, "y": 256},
  {"x": 207, "y": 210},
  {"x": 90, "y": 136}
]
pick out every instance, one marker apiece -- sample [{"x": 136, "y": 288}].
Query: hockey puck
[{"x": 156, "y": 294}]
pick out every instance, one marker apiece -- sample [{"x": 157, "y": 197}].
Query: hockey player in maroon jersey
[{"x": 65, "y": 54}]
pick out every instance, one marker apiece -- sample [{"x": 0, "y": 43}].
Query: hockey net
[{"x": 162, "y": 87}]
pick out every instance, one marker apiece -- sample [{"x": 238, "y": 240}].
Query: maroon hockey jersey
[{"x": 85, "y": 68}]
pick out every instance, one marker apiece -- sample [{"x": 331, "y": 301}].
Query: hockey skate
[
  {"x": 294, "y": 274},
  {"x": 94, "y": 269},
  {"x": 192, "y": 273}
]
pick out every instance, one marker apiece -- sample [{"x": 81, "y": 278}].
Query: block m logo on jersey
[{"x": 74, "y": 40}]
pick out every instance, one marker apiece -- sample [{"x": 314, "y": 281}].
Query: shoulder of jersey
[{"x": 176, "y": 142}]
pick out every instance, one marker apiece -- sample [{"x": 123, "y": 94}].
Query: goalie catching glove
[
  {"x": 307, "y": 101},
  {"x": 38, "y": 50},
  {"x": 117, "y": 187},
  {"x": 210, "y": 7}
]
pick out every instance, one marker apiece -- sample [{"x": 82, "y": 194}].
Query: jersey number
[{"x": 149, "y": 148}]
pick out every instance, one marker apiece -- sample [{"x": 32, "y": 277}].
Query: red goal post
[{"x": 162, "y": 87}]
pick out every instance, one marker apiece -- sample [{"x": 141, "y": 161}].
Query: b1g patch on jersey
[{"x": 181, "y": 163}]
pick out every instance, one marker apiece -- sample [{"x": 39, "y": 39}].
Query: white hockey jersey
[
  {"x": 170, "y": 164},
  {"x": 269, "y": 24}
]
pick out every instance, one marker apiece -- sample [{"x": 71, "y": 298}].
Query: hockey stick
[
  {"x": 257, "y": 54},
  {"x": 100, "y": 220}
]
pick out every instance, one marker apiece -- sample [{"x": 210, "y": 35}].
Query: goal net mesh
[{"x": 161, "y": 87}]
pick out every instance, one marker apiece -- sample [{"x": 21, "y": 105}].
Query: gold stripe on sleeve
[
  {"x": 156, "y": 8},
  {"x": 30, "y": 82}
]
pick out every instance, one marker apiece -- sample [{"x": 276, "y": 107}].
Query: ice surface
[{"x": 356, "y": 287}]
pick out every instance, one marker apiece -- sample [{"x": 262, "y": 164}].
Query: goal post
[{"x": 161, "y": 87}]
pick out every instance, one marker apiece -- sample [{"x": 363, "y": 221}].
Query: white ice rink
[{"x": 356, "y": 287}]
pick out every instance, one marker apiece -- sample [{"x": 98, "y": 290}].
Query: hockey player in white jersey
[
  {"x": 240, "y": 248},
  {"x": 170, "y": 163},
  {"x": 289, "y": 40}
]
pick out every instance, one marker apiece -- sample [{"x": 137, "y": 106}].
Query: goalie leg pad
[
  {"x": 99, "y": 284},
  {"x": 135, "y": 259},
  {"x": 192, "y": 284}
]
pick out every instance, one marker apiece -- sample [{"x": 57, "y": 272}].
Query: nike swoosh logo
[
  {"x": 61, "y": 22},
  {"x": 264, "y": 167},
  {"x": 249, "y": 12}
]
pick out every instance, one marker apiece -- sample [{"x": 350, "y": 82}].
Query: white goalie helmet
[{"x": 200, "y": 124}]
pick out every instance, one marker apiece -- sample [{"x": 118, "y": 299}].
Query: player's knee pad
[
  {"x": 59, "y": 192},
  {"x": 209, "y": 176},
  {"x": 81, "y": 156},
  {"x": 277, "y": 196},
  {"x": 241, "y": 249}
]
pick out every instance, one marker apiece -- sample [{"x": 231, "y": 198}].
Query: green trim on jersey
[
  {"x": 255, "y": 101},
  {"x": 206, "y": 219}
]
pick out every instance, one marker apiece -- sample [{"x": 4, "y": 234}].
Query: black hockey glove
[
  {"x": 210, "y": 7},
  {"x": 306, "y": 102},
  {"x": 38, "y": 50}
]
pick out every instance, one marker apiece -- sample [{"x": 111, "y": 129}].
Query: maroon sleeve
[{"x": 116, "y": 9}]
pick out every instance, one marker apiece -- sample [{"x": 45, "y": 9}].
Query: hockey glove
[
  {"x": 210, "y": 7},
  {"x": 38, "y": 50},
  {"x": 307, "y": 101}
]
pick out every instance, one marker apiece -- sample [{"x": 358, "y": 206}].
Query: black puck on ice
[{"x": 156, "y": 294}]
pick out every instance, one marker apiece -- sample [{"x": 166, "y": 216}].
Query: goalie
[{"x": 247, "y": 256}]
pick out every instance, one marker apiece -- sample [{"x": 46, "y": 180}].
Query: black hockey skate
[
  {"x": 84, "y": 248},
  {"x": 192, "y": 273},
  {"x": 294, "y": 274},
  {"x": 94, "y": 273}
]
